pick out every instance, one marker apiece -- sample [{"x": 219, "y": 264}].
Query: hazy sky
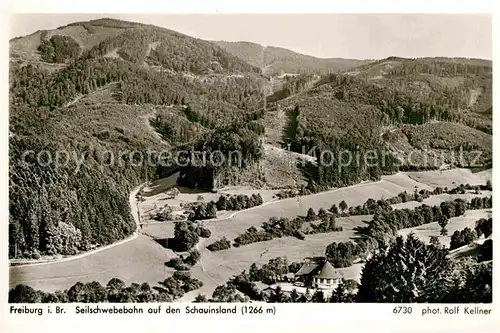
[{"x": 365, "y": 36}]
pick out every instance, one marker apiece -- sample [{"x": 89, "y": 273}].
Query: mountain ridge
[
  {"x": 272, "y": 60},
  {"x": 282, "y": 60}
]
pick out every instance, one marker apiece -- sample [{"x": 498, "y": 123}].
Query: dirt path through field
[
  {"x": 80, "y": 96},
  {"x": 74, "y": 100}
]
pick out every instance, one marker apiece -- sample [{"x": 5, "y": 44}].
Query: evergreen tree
[
  {"x": 311, "y": 215},
  {"x": 434, "y": 240},
  {"x": 409, "y": 271},
  {"x": 294, "y": 296},
  {"x": 443, "y": 222},
  {"x": 343, "y": 206},
  {"x": 334, "y": 209},
  {"x": 318, "y": 297},
  {"x": 341, "y": 294},
  {"x": 211, "y": 211},
  {"x": 322, "y": 213}
]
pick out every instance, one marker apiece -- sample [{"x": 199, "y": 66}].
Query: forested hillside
[
  {"x": 276, "y": 60},
  {"x": 74, "y": 206},
  {"x": 252, "y": 53},
  {"x": 86, "y": 34},
  {"x": 116, "y": 80},
  {"x": 436, "y": 107}
]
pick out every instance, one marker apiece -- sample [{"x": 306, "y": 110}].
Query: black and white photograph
[{"x": 250, "y": 158}]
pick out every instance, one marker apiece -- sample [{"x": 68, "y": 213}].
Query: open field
[
  {"x": 468, "y": 251},
  {"x": 142, "y": 259},
  {"x": 160, "y": 185},
  {"x": 407, "y": 183},
  {"x": 468, "y": 220},
  {"x": 485, "y": 175},
  {"x": 451, "y": 178},
  {"x": 353, "y": 195}
]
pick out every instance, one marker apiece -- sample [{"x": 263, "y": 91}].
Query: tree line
[
  {"x": 35, "y": 86},
  {"x": 385, "y": 225},
  {"x": 204, "y": 211},
  {"x": 115, "y": 291},
  {"x": 173, "y": 51},
  {"x": 377, "y": 234}
]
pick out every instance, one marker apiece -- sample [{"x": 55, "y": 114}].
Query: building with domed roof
[
  {"x": 320, "y": 275},
  {"x": 327, "y": 277}
]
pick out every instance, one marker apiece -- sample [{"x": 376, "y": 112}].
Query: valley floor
[{"x": 142, "y": 259}]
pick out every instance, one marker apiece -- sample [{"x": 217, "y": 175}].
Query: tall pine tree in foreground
[{"x": 409, "y": 271}]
